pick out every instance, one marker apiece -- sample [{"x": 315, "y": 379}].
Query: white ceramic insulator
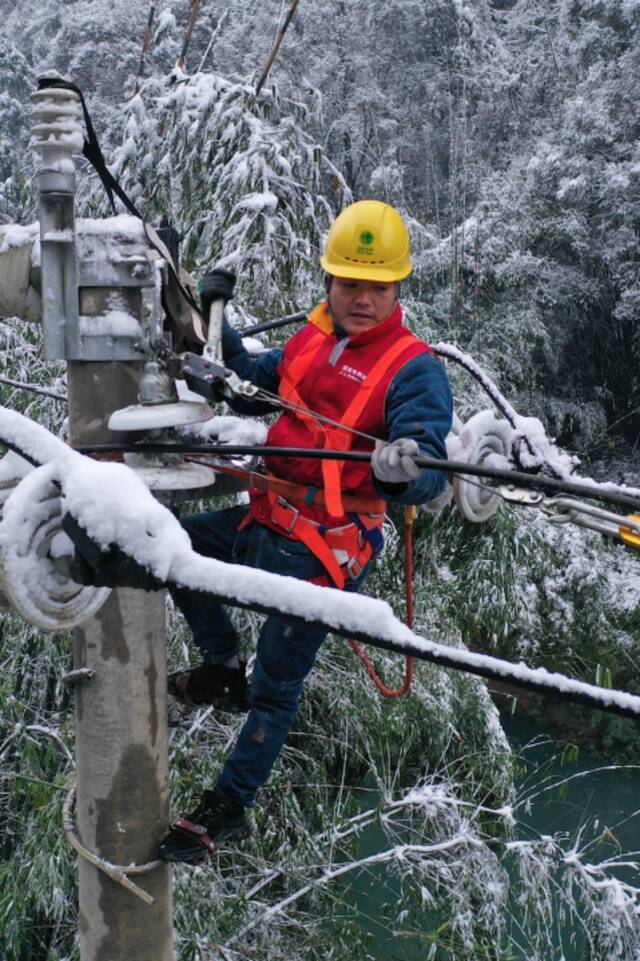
[
  {"x": 481, "y": 439},
  {"x": 170, "y": 477},
  {"x": 57, "y": 130},
  {"x": 159, "y": 416},
  {"x": 31, "y": 536}
]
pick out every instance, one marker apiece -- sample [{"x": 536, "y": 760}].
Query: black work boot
[
  {"x": 224, "y": 687},
  {"x": 215, "y": 820}
]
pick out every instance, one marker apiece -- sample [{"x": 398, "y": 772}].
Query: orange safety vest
[{"x": 347, "y": 381}]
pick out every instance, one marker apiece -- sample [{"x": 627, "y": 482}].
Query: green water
[{"x": 569, "y": 790}]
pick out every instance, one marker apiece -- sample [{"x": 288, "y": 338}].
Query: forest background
[{"x": 507, "y": 134}]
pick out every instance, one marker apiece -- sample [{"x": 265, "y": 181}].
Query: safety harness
[{"x": 345, "y": 550}]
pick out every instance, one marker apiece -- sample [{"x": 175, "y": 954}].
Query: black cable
[
  {"x": 465, "y": 661},
  {"x": 273, "y": 324},
  {"x": 459, "y": 468}
]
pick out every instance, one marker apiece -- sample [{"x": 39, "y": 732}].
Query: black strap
[{"x": 91, "y": 149}]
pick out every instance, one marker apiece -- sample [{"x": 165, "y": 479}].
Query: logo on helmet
[{"x": 366, "y": 242}]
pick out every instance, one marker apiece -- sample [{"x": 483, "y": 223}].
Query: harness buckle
[
  {"x": 354, "y": 568},
  {"x": 295, "y": 514}
]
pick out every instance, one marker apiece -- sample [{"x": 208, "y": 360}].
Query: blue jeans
[{"x": 286, "y": 648}]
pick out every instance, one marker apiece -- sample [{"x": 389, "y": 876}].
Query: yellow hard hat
[{"x": 368, "y": 241}]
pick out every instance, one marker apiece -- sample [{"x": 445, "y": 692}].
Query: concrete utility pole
[{"x": 121, "y": 712}]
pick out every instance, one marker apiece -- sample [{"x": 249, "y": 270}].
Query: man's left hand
[{"x": 394, "y": 463}]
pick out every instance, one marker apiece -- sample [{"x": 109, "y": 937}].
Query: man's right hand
[{"x": 218, "y": 285}]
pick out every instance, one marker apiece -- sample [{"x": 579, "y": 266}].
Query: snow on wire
[{"x": 114, "y": 507}]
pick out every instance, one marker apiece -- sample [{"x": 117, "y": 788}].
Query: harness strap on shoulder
[
  {"x": 298, "y": 367},
  {"x": 332, "y": 469}
]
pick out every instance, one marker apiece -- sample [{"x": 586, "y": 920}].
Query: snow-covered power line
[{"x": 115, "y": 509}]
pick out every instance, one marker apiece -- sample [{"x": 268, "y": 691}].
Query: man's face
[{"x": 357, "y": 305}]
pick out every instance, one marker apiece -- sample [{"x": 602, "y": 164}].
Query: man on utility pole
[{"x": 353, "y": 377}]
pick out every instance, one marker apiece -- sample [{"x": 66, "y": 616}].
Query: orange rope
[{"x": 409, "y": 518}]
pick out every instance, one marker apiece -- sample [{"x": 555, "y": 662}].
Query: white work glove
[{"x": 394, "y": 463}]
